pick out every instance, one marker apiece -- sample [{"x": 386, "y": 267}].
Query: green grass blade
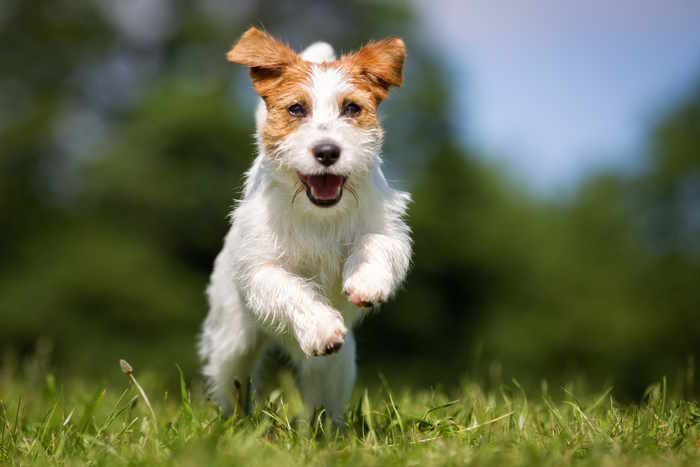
[
  {"x": 184, "y": 398},
  {"x": 90, "y": 410}
]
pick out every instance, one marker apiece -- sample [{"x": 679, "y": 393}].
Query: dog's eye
[
  {"x": 297, "y": 110},
  {"x": 350, "y": 109}
]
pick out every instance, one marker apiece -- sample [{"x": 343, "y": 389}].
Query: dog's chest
[{"x": 317, "y": 257}]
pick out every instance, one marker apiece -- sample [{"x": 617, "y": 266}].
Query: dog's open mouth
[{"x": 323, "y": 190}]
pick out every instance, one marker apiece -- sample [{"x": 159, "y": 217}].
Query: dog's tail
[{"x": 318, "y": 52}]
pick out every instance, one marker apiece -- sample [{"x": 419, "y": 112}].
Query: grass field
[{"x": 44, "y": 421}]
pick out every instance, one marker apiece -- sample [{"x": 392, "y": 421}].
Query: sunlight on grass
[{"x": 56, "y": 422}]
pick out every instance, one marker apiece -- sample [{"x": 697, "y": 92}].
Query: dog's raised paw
[
  {"x": 332, "y": 345},
  {"x": 327, "y": 338},
  {"x": 367, "y": 288},
  {"x": 335, "y": 342},
  {"x": 359, "y": 300}
]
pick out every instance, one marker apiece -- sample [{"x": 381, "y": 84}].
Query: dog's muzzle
[{"x": 323, "y": 190}]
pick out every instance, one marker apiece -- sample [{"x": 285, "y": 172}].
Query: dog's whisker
[
  {"x": 352, "y": 191},
  {"x": 298, "y": 190}
]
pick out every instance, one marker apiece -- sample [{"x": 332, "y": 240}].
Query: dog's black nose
[{"x": 326, "y": 153}]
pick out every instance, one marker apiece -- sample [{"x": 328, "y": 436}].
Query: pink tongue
[{"x": 325, "y": 186}]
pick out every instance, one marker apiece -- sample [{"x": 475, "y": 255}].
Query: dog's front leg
[
  {"x": 283, "y": 300},
  {"x": 376, "y": 267}
]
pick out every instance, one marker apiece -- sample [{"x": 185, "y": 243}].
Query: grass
[{"x": 44, "y": 423}]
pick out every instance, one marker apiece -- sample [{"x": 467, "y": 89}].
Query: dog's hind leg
[
  {"x": 231, "y": 349},
  {"x": 230, "y": 380},
  {"x": 326, "y": 382}
]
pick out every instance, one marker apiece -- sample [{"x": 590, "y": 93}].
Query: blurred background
[{"x": 552, "y": 149}]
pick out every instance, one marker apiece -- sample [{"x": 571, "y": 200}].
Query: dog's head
[{"x": 321, "y": 125}]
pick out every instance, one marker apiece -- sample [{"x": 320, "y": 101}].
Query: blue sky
[{"x": 557, "y": 89}]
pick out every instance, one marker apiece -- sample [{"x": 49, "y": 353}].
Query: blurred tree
[
  {"x": 124, "y": 152},
  {"x": 125, "y": 134},
  {"x": 671, "y": 219},
  {"x": 672, "y": 185}
]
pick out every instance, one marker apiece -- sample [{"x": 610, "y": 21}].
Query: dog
[{"x": 303, "y": 261}]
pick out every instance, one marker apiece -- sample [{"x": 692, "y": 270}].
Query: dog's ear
[
  {"x": 381, "y": 63},
  {"x": 264, "y": 55}
]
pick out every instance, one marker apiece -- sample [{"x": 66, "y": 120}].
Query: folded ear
[
  {"x": 264, "y": 55},
  {"x": 381, "y": 63}
]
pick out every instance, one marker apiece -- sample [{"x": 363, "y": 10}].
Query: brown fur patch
[
  {"x": 289, "y": 89},
  {"x": 368, "y": 114},
  {"x": 277, "y": 73},
  {"x": 266, "y": 57},
  {"x": 377, "y": 66},
  {"x": 279, "y": 76},
  {"x": 256, "y": 48}
]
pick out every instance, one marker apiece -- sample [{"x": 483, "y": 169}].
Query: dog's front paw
[
  {"x": 368, "y": 287},
  {"x": 325, "y": 336}
]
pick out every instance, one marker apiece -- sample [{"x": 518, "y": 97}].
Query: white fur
[{"x": 286, "y": 268}]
